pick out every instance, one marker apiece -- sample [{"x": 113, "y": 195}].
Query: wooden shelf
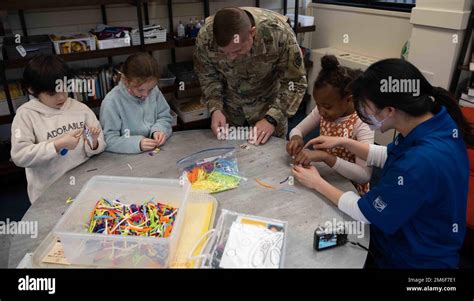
[
  {"x": 35, "y": 4},
  {"x": 464, "y": 67},
  {"x": 186, "y": 42},
  {"x": 168, "y": 89},
  {"x": 160, "y": 46},
  {"x": 303, "y": 29},
  {"x": 98, "y": 102},
  {"x": 6, "y": 119},
  {"x": 101, "y": 53}
]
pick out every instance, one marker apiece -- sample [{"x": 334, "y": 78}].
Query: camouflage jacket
[{"x": 271, "y": 80}]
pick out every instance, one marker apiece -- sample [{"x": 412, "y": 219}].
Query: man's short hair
[{"x": 227, "y": 23}]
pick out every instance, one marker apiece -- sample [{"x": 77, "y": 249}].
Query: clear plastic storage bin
[
  {"x": 91, "y": 249},
  {"x": 261, "y": 252}
]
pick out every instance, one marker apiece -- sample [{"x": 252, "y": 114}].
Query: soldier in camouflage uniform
[{"x": 261, "y": 87}]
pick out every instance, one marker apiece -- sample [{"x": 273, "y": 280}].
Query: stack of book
[
  {"x": 17, "y": 94},
  {"x": 101, "y": 80}
]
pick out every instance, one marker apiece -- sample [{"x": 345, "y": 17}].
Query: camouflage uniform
[{"x": 270, "y": 80}]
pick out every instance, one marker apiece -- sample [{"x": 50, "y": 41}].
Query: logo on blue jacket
[{"x": 379, "y": 204}]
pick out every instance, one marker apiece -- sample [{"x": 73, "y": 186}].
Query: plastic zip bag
[{"x": 213, "y": 170}]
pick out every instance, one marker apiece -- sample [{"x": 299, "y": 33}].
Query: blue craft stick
[
  {"x": 103, "y": 216},
  {"x": 63, "y": 151}
]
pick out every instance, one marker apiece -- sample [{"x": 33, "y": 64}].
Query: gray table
[{"x": 304, "y": 210}]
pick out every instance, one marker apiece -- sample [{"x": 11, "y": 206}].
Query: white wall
[
  {"x": 438, "y": 30},
  {"x": 431, "y": 28},
  {"x": 374, "y": 33}
]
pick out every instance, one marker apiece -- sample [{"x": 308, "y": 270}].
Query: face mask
[{"x": 375, "y": 124}]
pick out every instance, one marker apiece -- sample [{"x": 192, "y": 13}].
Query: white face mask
[{"x": 375, "y": 124}]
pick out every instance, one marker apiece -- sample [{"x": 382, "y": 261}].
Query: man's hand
[
  {"x": 218, "y": 122},
  {"x": 294, "y": 146},
  {"x": 160, "y": 138},
  {"x": 264, "y": 130},
  {"x": 148, "y": 144}
]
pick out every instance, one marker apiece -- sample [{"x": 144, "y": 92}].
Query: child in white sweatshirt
[
  {"x": 335, "y": 115},
  {"x": 49, "y": 132}
]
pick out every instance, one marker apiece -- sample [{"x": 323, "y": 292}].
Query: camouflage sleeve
[
  {"x": 209, "y": 77},
  {"x": 293, "y": 82}
]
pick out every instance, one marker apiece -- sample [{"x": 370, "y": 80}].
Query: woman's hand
[
  {"x": 295, "y": 145},
  {"x": 325, "y": 142},
  {"x": 308, "y": 176}
]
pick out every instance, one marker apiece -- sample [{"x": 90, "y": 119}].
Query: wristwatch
[{"x": 271, "y": 120}]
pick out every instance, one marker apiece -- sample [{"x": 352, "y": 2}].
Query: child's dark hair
[
  {"x": 140, "y": 67},
  {"x": 42, "y": 72},
  {"x": 429, "y": 99},
  {"x": 332, "y": 73}
]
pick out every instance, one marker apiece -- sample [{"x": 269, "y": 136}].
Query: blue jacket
[
  {"x": 417, "y": 210},
  {"x": 126, "y": 119}
]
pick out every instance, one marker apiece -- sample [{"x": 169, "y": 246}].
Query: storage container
[
  {"x": 114, "y": 43},
  {"x": 175, "y": 118},
  {"x": 187, "y": 81},
  {"x": 92, "y": 249},
  {"x": 33, "y": 45},
  {"x": 266, "y": 252},
  {"x": 152, "y": 34},
  {"x": 190, "y": 110},
  {"x": 73, "y": 43},
  {"x": 167, "y": 78}
]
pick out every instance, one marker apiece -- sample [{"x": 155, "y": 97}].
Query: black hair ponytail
[
  {"x": 446, "y": 99},
  {"x": 339, "y": 77},
  {"x": 427, "y": 99}
]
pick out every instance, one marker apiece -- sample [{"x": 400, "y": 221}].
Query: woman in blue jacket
[{"x": 417, "y": 211}]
